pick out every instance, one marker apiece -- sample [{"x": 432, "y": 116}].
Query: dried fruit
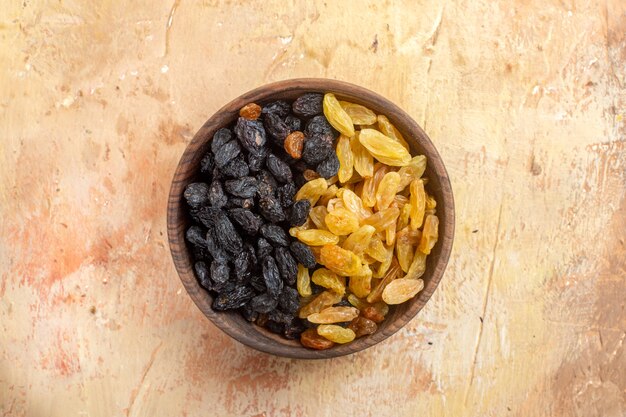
[
  {"x": 318, "y": 216},
  {"x": 207, "y": 164},
  {"x": 346, "y": 159},
  {"x": 328, "y": 279},
  {"x": 251, "y": 135},
  {"x": 342, "y": 222},
  {"x": 383, "y": 267},
  {"x": 278, "y": 168},
  {"x": 312, "y": 190},
  {"x": 279, "y": 107},
  {"x": 430, "y": 202},
  {"x": 285, "y": 194},
  {"x": 376, "y": 249},
  {"x": 418, "y": 203},
  {"x": 256, "y": 161},
  {"x": 244, "y": 187},
  {"x": 316, "y": 237},
  {"x": 271, "y": 276},
  {"x": 371, "y": 313},
  {"x": 271, "y": 209},
  {"x": 363, "y": 160},
  {"x": 413, "y": 171},
  {"x": 263, "y": 248},
  {"x": 404, "y": 218},
  {"x": 233, "y": 299},
  {"x": 339, "y": 260},
  {"x": 389, "y": 130},
  {"x": 382, "y": 219},
  {"x": 401, "y": 290},
  {"x": 334, "y": 315},
  {"x": 309, "y": 338},
  {"x": 321, "y": 301},
  {"x": 430, "y": 234},
  {"x": 227, "y": 153},
  {"x": 335, "y": 333},
  {"x": 362, "y": 326},
  {"x": 303, "y": 281},
  {"x": 294, "y": 143},
  {"x": 359, "y": 240},
  {"x": 236, "y": 168},
  {"x": 353, "y": 202},
  {"x": 197, "y": 194},
  {"x": 370, "y": 185},
  {"x": 329, "y": 166},
  {"x": 308, "y": 105},
  {"x": 337, "y": 116},
  {"x": 418, "y": 266},
  {"x": 310, "y": 175},
  {"x": 263, "y": 303},
  {"x": 220, "y": 138},
  {"x": 250, "y": 111},
  {"x": 316, "y": 148},
  {"x": 361, "y": 284},
  {"x": 386, "y": 190},
  {"x": 330, "y": 192},
  {"x": 404, "y": 249},
  {"x": 274, "y": 234},
  {"x": 360, "y": 115},
  {"x": 286, "y": 265},
  {"x": 384, "y": 149},
  {"x": 248, "y": 221},
  {"x": 303, "y": 254},
  {"x": 390, "y": 234},
  {"x": 390, "y": 275},
  {"x": 299, "y": 212}
]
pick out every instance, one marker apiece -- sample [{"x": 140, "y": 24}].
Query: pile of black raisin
[{"x": 242, "y": 208}]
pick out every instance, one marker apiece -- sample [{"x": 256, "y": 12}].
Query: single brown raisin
[
  {"x": 250, "y": 111},
  {"x": 294, "y": 143},
  {"x": 371, "y": 313},
  {"x": 311, "y": 339},
  {"x": 310, "y": 175}
]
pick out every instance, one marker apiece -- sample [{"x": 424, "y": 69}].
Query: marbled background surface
[{"x": 525, "y": 100}]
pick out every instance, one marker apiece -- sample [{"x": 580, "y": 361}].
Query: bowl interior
[{"x": 178, "y": 221}]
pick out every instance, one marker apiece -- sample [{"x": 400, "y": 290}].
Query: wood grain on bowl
[{"x": 231, "y": 322}]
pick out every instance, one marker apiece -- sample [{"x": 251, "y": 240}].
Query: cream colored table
[{"x": 525, "y": 100}]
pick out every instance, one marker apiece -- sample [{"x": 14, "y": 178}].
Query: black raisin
[
  {"x": 216, "y": 251},
  {"x": 275, "y": 327},
  {"x": 299, "y": 212},
  {"x": 217, "y": 198},
  {"x": 220, "y": 138},
  {"x": 277, "y": 128},
  {"x": 271, "y": 209},
  {"x": 293, "y": 122},
  {"x": 243, "y": 265},
  {"x": 207, "y": 164},
  {"x": 227, "y": 153},
  {"x": 316, "y": 149},
  {"x": 278, "y": 168},
  {"x": 196, "y": 194},
  {"x": 258, "y": 283},
  {"x": 263, "y": 248},
  {"x": 203, "y": 274},
  {"x": 248, "y": 313},
  {"x": 286, "y": 193},
  {"x": 266, "y": 184},
  {"x": 236, "y": 168},
  {"x": 303, "y": 254},
  {"x": 195, "y": 235},
  {"x": 319, "y": 126},
  {"x": 263, "y": 303},
  {"x": 248, "y": 221},
  {"x": 280, "y": 316},
  {"x": 251, "y": 134},
  {"x": 274, "y": 234},
  {"x": 280, "y": 108},
  {"x": 287, "y": 265},
  {"x": 257, "y": 160},
  {"x": 226, "y": 235},
  {"x": 220, "y": 272},
  {"x": 234, "y": 202},
  {"x": 245, "y": 187},
  {"x": 235, "y": 298},
  {"x": 294, "y": 329},
  {"x": 271, "y": 276},
  {"x": 289, "y": 301},
  {"x": 328, "y": 167},
  {"x": 308, "y": 105}
]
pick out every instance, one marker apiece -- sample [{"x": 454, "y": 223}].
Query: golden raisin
[
  {"x": 413, "y": 171},
  {"x": 383, "y": 218},
  {"x": 363, "y": 160},
  {"x": 404, "y": 249},
  {"x": 340, "y": 261},
  {"x": 386, "y": 190},
  {"x": 418, "y": 266},
  {"x": 250, "y": 111},
  {"x": 312, "y": 190},
  {"x": 360, "y": 115},
  {"x": 335, "y": 333},
  {"x": 294, "y": 143},
  {"x": 329, "y": 280},
  {"x": 389, "y": 130},
  {"x": 334, "y": 315},
  {"x": 318, "y": 215},
  {"x": 359, "y": 240},
  {"x": 309, "y": 338},
  {"x": 418, "y": 203},
  {"x": 336, "y": 116},
  {"x": 376, "y": 249},
  {"x": 330, "y": 192},
  {"x": 353, "y": 203},
  {"x": 317, "y": 237},
  {"x": 321, "y": 301},
  {"x": 341, "y": 222},
  {"x": 346, "y": 159},
  {"x": 303, "y": 281},
  {"x": 390, "y": 275},
  {"x": 401, "y": 290},
  {"x": 383, "y": 148},
  {"x": 430, "y": 234},
  {"x": 361, "y": 285}
]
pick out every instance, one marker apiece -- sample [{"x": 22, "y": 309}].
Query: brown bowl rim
[{"x": 274, "y": 344}]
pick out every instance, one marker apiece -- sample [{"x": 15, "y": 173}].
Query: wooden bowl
[{"x": 178, "y": 221}]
